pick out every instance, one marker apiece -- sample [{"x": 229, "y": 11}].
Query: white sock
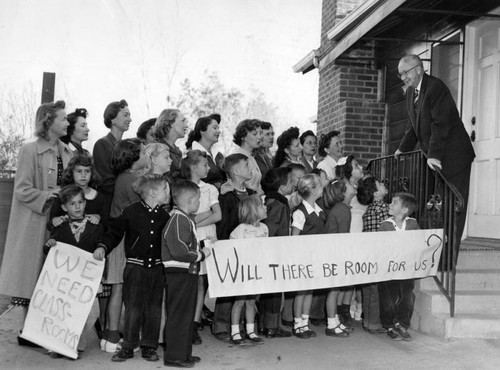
[
  {"x": 235, "y": 329},
  {"x": 333, "y": 322},
  {"x": 250, "y": 328},
  {"x": 305, "y": 320},
  {"x": 297, "y": 322}
]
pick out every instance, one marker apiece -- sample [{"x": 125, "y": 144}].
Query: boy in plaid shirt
[{"x": 372, "y": 192}]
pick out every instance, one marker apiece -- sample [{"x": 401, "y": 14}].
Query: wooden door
[{"x": 482, "y": 116}]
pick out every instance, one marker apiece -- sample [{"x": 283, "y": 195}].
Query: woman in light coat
[{"x": 37, "y": 182}]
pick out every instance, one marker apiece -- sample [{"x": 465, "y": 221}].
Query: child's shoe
[
  {"x": 302, "y": 333},
  {"x": 336, "y": 332},
  {"x": 393, "y": 333},
  {"x": 110, "y": 347},
  {"x": 403, "y": 332},
  {"x": 195, "y": 337},
  {"x": 254, "y": 338},
  {"x": 150, "y": 354},
  {"x": 237, "y": 339},
  {"x": 122, "y": 355}
]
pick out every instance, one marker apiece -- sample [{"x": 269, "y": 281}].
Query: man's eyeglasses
[{"x": 404, "y": 73}]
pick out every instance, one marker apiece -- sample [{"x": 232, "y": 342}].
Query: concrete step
[
  {"x": 466, "y": 301},
  {"x": 478, "y": 259},
  {"x": 486, "y": 326},
  {"x": 469, "y": 279}
]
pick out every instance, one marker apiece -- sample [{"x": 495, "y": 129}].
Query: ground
[{"x": 360, "y": 351}]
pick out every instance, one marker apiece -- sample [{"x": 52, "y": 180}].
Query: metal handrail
[{"x": 439, "y": 203}]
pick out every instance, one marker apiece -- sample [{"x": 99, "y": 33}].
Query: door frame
[{"x": 469, "y": 82}]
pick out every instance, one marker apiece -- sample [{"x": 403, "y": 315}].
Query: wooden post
[{"x": 48, "y": 87}]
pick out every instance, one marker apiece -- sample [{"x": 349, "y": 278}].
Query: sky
[{"x": 107, "y": 50}]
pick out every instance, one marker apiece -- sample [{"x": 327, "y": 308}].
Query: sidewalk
[{"x": 360, "y": 351}]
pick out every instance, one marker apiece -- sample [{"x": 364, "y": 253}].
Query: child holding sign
[
  {"x": 277, "y": 184},
  {"x": 231, "y": 193},
  {"x": 336, "y": 199},
  {"x": 396, "y": 296},
  {"x": 251, "y": 211},
  {"x": 77, "y": 230},
  {"x": 308, "y": 219},
  {"x": 142, "y": 223}
]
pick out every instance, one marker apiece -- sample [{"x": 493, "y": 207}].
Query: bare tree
[{"x": 17, "y": 116}]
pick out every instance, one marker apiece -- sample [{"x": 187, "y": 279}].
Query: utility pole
[{"x": 48, "y": 87}]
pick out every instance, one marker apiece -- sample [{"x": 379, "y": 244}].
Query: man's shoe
[
  {"x": 403, "y": 332},
  {"x": 194, "y": 359},
  {"x": 393, "y": 334},
  {"x": 150, "y": 354},
  {"x": 178, "y": 363},
  {"x": 122, "y": 355}
]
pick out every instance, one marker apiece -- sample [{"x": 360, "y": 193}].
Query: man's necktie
[{"x": 415, "y": 97}]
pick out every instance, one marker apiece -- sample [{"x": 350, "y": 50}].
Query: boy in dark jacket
[
  {"x": 396, "y": 296},
  {"x": 181, "y": 255},
  {"x": 142, "y": 224}
]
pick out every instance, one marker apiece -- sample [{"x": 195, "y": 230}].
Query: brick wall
[{"x": 347, "y": 98}]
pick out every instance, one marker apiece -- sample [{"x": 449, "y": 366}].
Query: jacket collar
[{"x": 43, "y": 145}]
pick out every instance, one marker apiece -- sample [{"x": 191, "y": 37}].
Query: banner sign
[
  {"x": 293, "y": 263},
  {"x": 62, "y": 299}
]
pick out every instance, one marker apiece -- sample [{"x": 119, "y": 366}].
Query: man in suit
[{"x": 436, "y": 125}]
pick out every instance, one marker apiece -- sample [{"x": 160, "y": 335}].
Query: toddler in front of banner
[
  {"x": 277, "y": 184},
  {"x": 231, "y": 193},
  {"x": 194, "y": 167},
  {"x": 371, "y": 192},
  {"x": 396, "y": 296},
  {"x": 251, "y": 211},
  {"x": 181, "y": 254},
  {"x": 140, "y": 225},
  {"x": 308, "y": 219},
  {"x": 76, "y": 229},
  {"x": 335, "y": 201}
]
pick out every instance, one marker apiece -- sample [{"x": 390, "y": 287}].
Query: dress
[
  {"x": 36, "y": 175},
  {"x": 123, "y": 196},
  {"x": 209, "y": 196},
  {"x": 357, "y": 212},
  {"x": 247, "y": 231},
  {"x": 103, "y": 150}
]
